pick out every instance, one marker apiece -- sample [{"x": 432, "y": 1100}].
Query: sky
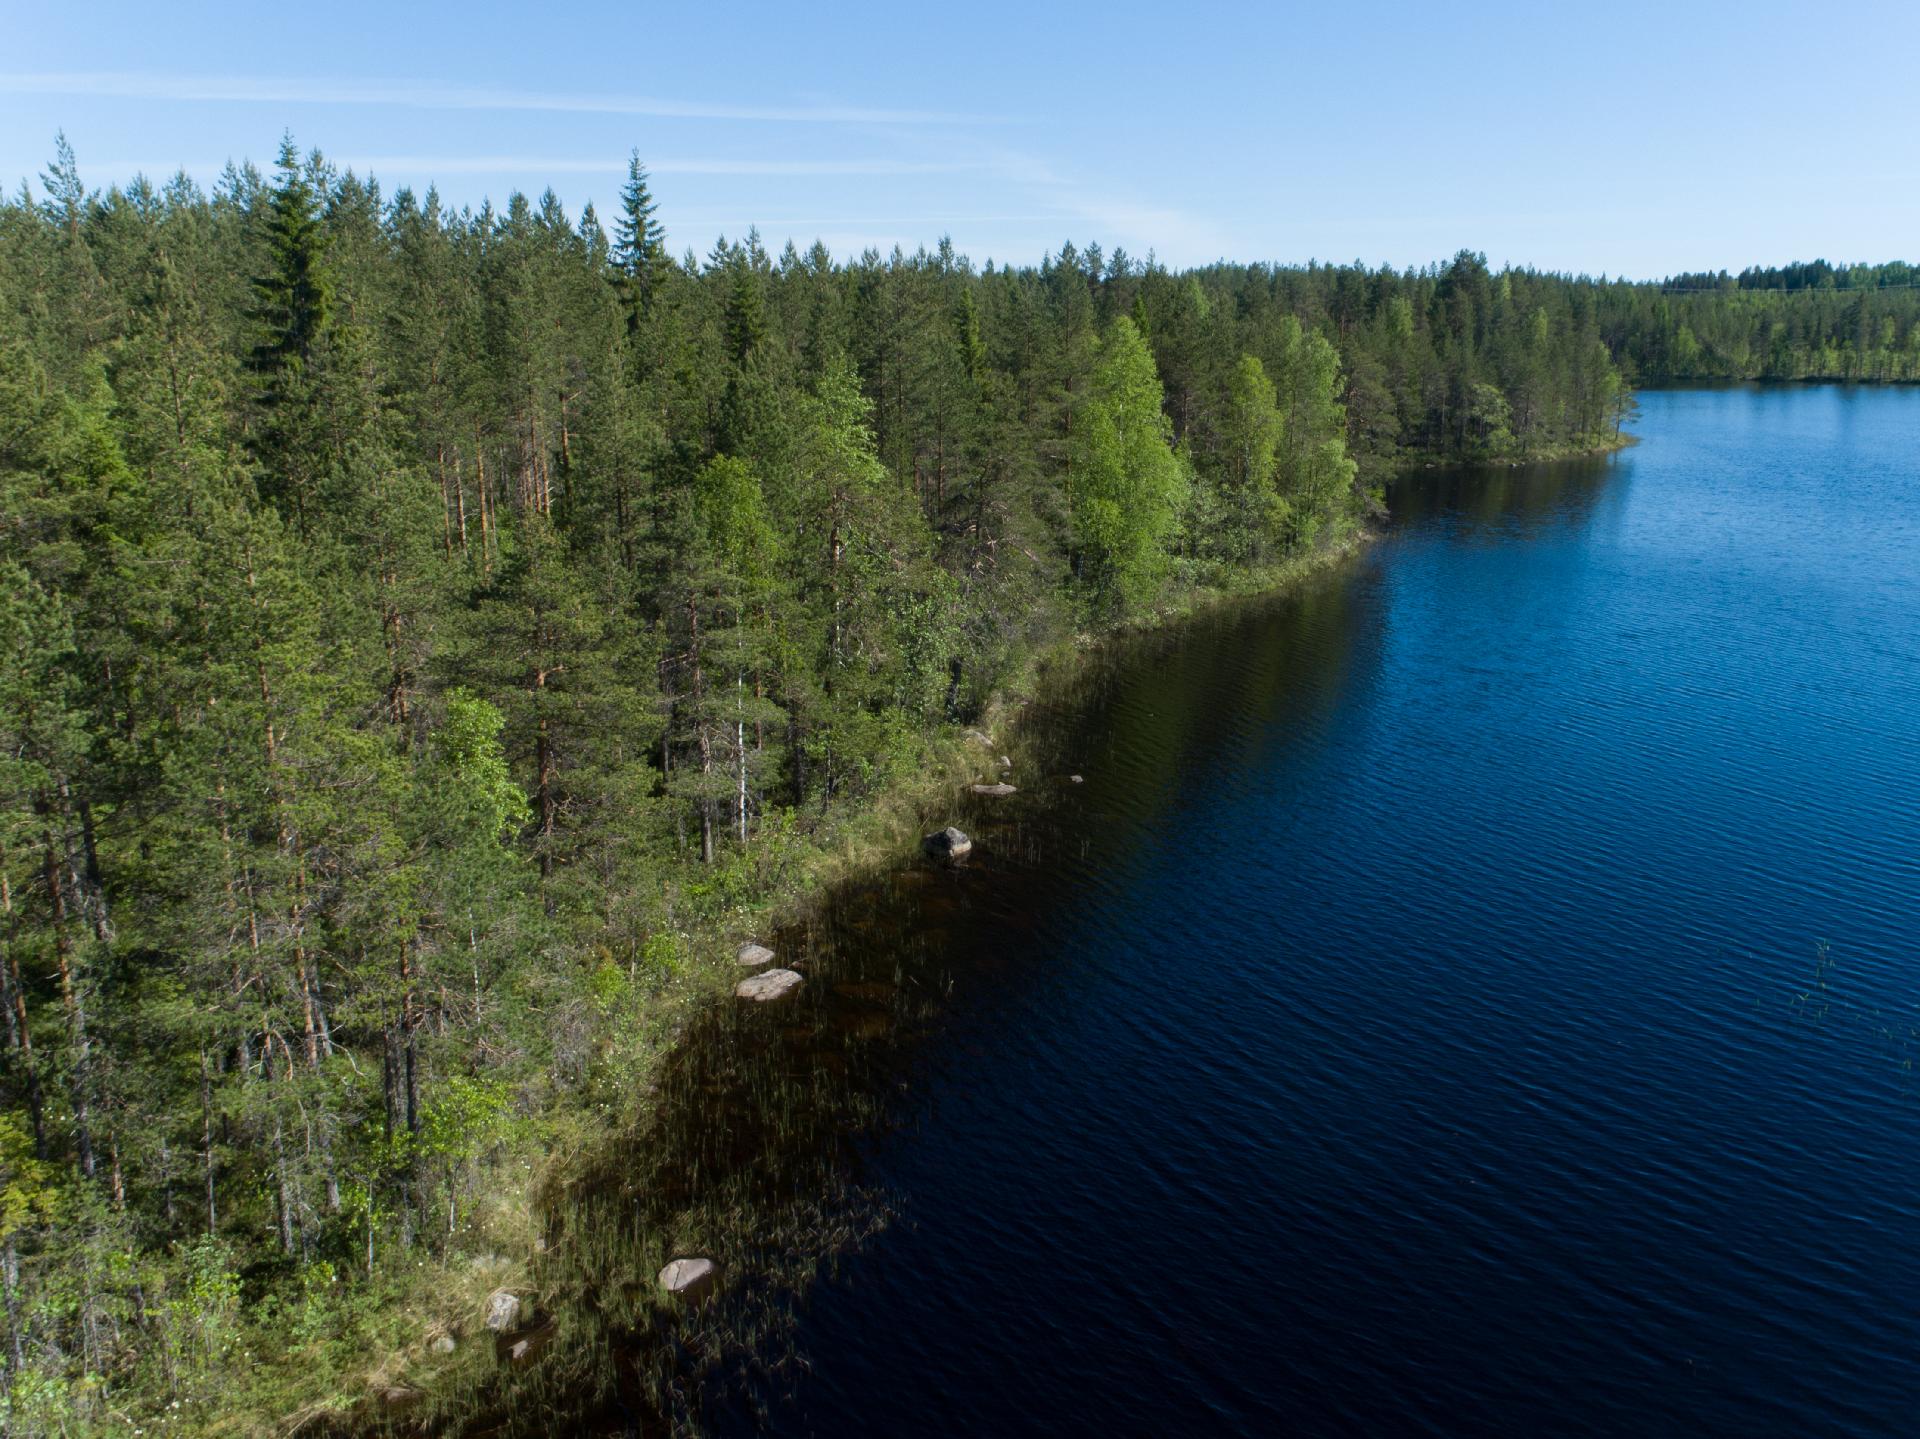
[{"x": 1625, "y": 139}]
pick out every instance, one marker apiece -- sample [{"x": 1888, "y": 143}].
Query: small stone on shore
[
  {"x": 751, "y": 954},
  {"x": 772, "y": 984},
  {"x": 994, "y": 789}
]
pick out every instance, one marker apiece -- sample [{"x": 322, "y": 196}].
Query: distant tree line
[
  {"x": 1811, "y": 321},
  {"x": 414, "y": 623}
]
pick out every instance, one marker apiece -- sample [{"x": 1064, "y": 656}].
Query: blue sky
[{"x": 1626, "y": 138}]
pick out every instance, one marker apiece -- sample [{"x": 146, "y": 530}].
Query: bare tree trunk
[
  {"x": 18, "y": 1032},
  {"x": 460, "y": 501},
  {"x": 93, "y": 890},
  {"x": 740, "y": 752},
  {"x": 486, "y": 509},
  {"x": 446, "y": 499},
  {"x": 566, "y": 457},
  {"x": 283, "y": 1185},
  {"x": 10, "y": 1278},
  {"x": 166, "y": 1183},
  {"x": 700, "y": 734},
  {"x": 73, "y": 1001},
  {"x": 548, "y": 801},
  {"x": 206, "y": 1139},
  {"x": 410, "y": 1024}
]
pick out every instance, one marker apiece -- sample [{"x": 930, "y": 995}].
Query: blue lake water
[{"x": 1418, "y": 1021}]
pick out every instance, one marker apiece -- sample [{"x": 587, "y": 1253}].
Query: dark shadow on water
[{"x": 1515, "y": 501}]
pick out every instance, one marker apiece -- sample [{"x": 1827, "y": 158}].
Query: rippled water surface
[{"x": 1417, "y": 1022}]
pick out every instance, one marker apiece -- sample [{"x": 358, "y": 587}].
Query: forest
[
  {"x": 430, "y": 635},
  {"x": 1812, "y": 321}
]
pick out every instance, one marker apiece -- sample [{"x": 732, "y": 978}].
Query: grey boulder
[
  {"x": 949, "y": 843},
  {"x": 503, "y": 1310},
  {"x": 768, "y": 985}
]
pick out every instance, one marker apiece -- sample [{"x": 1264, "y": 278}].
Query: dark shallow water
[{"x": 1416, "y": 1023}]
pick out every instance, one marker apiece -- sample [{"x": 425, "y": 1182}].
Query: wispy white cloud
[
  {"x": 437, "y": 166},
  {"x": 1193, "y": 239},
  {"x": 130, "y": 85},
  {"x": 922, "y": 225},
  {"x": 434, "y": 167},
  {"x": 521, "y": 164},
  {"x": 1114, "y": 217}
]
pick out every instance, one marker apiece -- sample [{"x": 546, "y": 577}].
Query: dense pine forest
[{"x": 429, "y": 634}]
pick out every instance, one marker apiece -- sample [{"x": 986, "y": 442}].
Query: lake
[{"x": 1472, "y": 994}]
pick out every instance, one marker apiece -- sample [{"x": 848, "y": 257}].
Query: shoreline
[
  {"x": 522, "y": 1192},
  {"x": 881, "y": 840},
  {"x": 1608, "y": 445}
]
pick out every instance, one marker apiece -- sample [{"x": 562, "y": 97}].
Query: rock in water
[
  {"x": 993, "y": 789},
  {"x": 949, "y": 843},
  {"x": 772, "y": 984},
  {"x": 1075, "y": 779},
  {"x": 529, "y": 1348},
  {"x": 689, "y": 1279},
  {"x": 503, "y": 1310},
  {"x": 751, "y": 954}
]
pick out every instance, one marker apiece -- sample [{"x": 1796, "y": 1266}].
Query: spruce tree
[
  {"x": 292, "y": 310},
  {"x": 639, "y": 244}
]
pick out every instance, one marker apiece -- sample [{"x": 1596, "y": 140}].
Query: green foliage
[
  {"x": 466, "y": 1114},
  {"x": 1131, "y": 485},
  {"x": 473, "y": 765},
  {"x": 29, "y": 1186}
]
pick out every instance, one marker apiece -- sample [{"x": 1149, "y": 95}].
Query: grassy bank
[{"x": 1606, "y": 443}]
